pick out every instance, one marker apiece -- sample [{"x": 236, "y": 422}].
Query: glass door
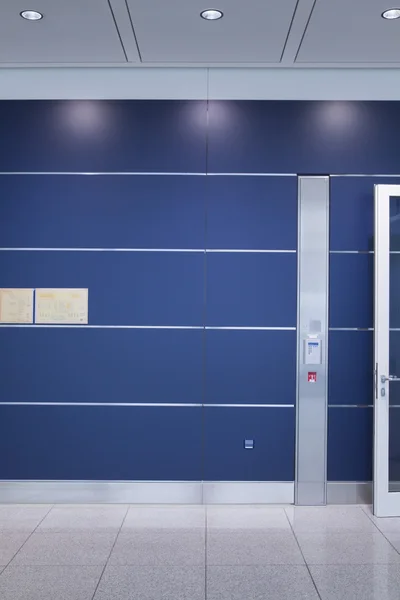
[{"x": 387, "y": 352}]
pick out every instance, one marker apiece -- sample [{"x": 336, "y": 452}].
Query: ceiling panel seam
[
  {"x": 305, "y": 31},
  {"x": 116, "y": 27},
  {"x": 133, "y": 30},
  {"x": 289, "y": 30}
]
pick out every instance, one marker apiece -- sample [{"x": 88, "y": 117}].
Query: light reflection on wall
[
  {"x": 336, "y": 128},
  {"x": 190, "y": 120},
  {"x": 226, "y": 115},
  {"x": 229, "y": 125},
  {"x": 340, "y": 118},
  {"x": 85, "y": 119}
]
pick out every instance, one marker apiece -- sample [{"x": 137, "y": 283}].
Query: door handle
[{"x": 384, "y": 379}]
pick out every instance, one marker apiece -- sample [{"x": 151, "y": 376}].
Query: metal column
[{"x": 312, "y": 393}]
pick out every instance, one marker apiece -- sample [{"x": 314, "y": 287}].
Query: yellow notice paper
[
  {"x": 16, "y": 305},
  {"x": 61, "y": 305}
]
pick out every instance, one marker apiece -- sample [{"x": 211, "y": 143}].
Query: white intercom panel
[{"x": 312, "y": 351}]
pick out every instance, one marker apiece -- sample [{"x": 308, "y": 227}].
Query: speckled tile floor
[{"x": 116, "y": 552}]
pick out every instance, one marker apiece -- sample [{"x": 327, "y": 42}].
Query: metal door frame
[{"x": 386, "y": 504}]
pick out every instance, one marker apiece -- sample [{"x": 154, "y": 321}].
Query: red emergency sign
[{"x": 312, "y": 377}]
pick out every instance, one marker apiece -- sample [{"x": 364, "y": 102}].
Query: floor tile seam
[
  {"x": 102, "y": 506},
  {"x": 352, "y": 535},
  {"x": 302, "y": 554},
  {"x": 354, "y": 564},
  {"x": 196, "y": 535},
  {"x": 258, "y": 564},
  {"x": 54, "y": 565},
  {"x": 158, "y": 565},
  {"x": 202, "y": 565},
  {"x": 369, "y": 517},
  {"x": 379, "y": 530},
  {"x": 68, "y": 531},
  {"x": 337, "y": 530},
  {"x": 28, "y": 538},
  {"x": 129, "y": 529},
  {"x": 109, "y": 555},
  {"x": 263, "y": 566},
  {"x": 271, "y": 530},
  {"x": 51, "y": 508},
  {"x": 389, "y": 542}
]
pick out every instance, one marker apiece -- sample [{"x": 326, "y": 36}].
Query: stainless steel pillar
[{"x": 312, "y": 354}]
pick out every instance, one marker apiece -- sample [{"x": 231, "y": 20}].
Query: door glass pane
[{"x": 394, "y": 347}]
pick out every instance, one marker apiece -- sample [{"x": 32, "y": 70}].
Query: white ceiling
[
  {"x": 137, "y": 33},
  {"x": 250, "y": 31}
]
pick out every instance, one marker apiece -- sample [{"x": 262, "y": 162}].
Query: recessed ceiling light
[
  {"x": 211, "y": 14},
  {"x": 392, "y": 13},
  {"x": 31, "y": 15}
]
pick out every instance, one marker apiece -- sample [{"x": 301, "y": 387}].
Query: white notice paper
[
  {"x": 61, "y": 305},
  {"x": 16, "y": 305},
  {"x": 313, "y": 352}
]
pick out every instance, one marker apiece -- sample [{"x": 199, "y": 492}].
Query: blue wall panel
[
  {"x": 394, "y": 291},
  {"x": 351, "y": 290},
  {"x": 257, "y": 290},
  {"x": 352, "y": 211},
  {"x": 251, "y": 367},
  {"x": 395, "y": 222},
  {"x": 115, "y": 135},
  {"x": 110, "y": 211},
  {"x": 100, "y": 443},
  {"x": 351, "y": 356},
  {"x": 394, "y": 366},
  {"x": 303, "y": 137},
  {"x": 231, "y": 290},
  {"x": 394, "y": 444},
  {"x": 252, "y": 212},
  {"x": 170, "y": 136},
  {"x": 101, "y": 365},
  {"x": 351, "y": 305},
  {"x": 350, "y": 444},
  {"x": 272, "y": 430},
  {"x": 125, "y": 288}
]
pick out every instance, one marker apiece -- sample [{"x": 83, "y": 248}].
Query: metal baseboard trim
[
  {"x": 252, "y": 492},
  {"x": 349, "y": 492},
  {"x": 146, "y": 492}
]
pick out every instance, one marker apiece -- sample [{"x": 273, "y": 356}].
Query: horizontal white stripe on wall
[
  {"x": 187, "y": 174},
  {"x": 252, "y": 251},
  {"x": 196, "y": 250},
  {"x": 351, "y": 252},
  {"x": 252, "y": 174},
  {"x": 251, "y": 328},
  {"x": 362, "y": 175},
  {"x": 105, "y": 173},
  {"x": 199, "y": 250},
  {"x": 148, "y": 173},
  {"x": 350, "y": 405},
  {"x": 351, "y": 329},
  {"x": 59, "y": 326},
  {"x": 147, "y": 404},
  {"x": 248, "y": 405}
]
